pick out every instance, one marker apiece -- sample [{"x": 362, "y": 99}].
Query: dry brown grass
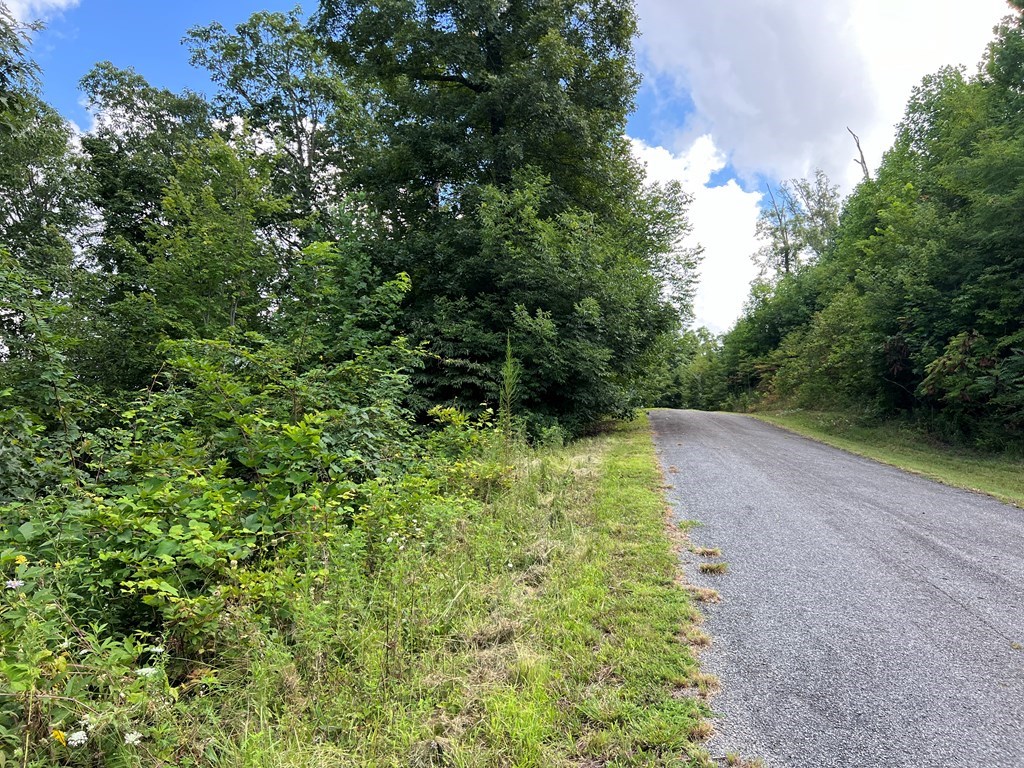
[
  {"x": 713, "y": 569},
  {"x": 706, "y": 551},
  {"x": 696, "y": 638},
  {"x": 735, "y": 761},
  {"x": 703, "y": 594}
]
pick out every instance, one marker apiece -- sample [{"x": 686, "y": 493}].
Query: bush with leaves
[
  {"x": 245, "y": 478},
  {"x": 208, "y": 502}
]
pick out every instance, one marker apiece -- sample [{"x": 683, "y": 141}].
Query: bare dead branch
[{"x": 861, "y": 162}]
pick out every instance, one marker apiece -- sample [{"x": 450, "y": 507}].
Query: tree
[
  {"x": 43, "y": 191},
  {"x": 18, "y": 72},
  {"x": 140, "y": 133},
  {"x": 913, "y": 302},
  {"x": 44, "y": 220},
  {"x": 472, "y": 92},
  {"x": 506, "y": 190},
  {"x": 208, "y": 267},
  {"x": 799, "y": 225},
  {"x": 277, "y": 86}
]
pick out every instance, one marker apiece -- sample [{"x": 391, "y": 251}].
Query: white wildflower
[
  {"x": 85, "y": 723},
  {"x": 147, "y": 671},
  {"x": 14, "y": 584},
  {"x": 77, "y": 739},
  {"x": 157, "y": 649},
  {"x": 132, "y": 738}
]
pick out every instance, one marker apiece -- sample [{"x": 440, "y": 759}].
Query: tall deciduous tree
[
  {"x": 279, "y": 88},
  {"x": 798, "y": 224},
  {"x": 507, "y": 192},
  {"x": 471, "y": 92},
  {"x": 140, "y": 133}
]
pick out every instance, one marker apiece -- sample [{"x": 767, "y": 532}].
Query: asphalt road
[{"x": 869, "y": 617}]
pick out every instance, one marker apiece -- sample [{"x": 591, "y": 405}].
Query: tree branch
[
  {"x": 861, "y": 162},
  {"x": 783, "y": 231},
  {"x": 437, "y": 77}
]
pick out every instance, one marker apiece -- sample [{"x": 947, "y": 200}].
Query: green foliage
[
  {"x": 798, "y": 225},
  {"x": 18, "y": 72},
  {"x": 915, "y": 307},
  {"x": 43, "y": 402},
  {"x": 506, "y": 190},
  {"x": 511, "y": 378},
  {"x": 274, "y": 76},
  {"x": 224, "y": 490},
  {"x": 476, "y": 92},
  {"x": 692, "y": 377},
  {"x": 43, "y": 192},
  {"x": 506, "y": 193},
  {"x": 251, "y": 352},
  {"x": 141, "y": 133},
  {"x": 208, "y": 266}
]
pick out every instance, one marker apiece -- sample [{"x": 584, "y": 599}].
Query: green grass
[
  {"x": 902, "y": 446},
  {"x": 549, "y": 630}
]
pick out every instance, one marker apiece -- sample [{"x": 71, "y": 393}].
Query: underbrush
[{"x": 225, "y": 584}]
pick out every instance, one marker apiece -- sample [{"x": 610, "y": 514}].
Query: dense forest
[
  {"x": 264, "y": 354},
  {"x": 906, "y": 300}
]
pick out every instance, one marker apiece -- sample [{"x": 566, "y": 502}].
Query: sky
[{"x": 736, "y": 93}]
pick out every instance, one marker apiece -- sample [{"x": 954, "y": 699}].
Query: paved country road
[{"x": 869, "y": 617}]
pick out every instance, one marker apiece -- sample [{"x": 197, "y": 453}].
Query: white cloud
[
  {"x": 31, "y": 10},
  {"x": 904, "y": 40},
  {"x": 774, "y": 85},
  {"x": 723, "y": 219},
  {"x": 776, "y": 82}
]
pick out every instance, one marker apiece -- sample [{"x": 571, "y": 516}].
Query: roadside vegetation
[
  {"x": 496, "y": 605},
  {"x": 905, "y": 302},
  {"x": 911, "y": 448},
  {"x": 289, "y": 377}
]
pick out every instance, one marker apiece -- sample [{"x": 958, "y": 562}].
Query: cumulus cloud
[
  {"x": 776, "y": 82},
  {"x": 723, "y": 219},
  {"x": 31, "y": 10},
  {"x": 904, "y": 40},
  {"x": 769, "y": 88}
]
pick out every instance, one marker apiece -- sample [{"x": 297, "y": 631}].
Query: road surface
[{"x": 869, "y": 617}]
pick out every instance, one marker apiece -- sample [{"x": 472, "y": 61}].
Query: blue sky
[
  {"x": 735, "y": 92},
  {"x": 146, "y": 35}
]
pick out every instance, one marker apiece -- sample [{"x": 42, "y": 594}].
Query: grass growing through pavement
[
  {"x": 904, "y": 447},
  {"x": 713, "y": 568},
  {"x": 549, "y": 631}
]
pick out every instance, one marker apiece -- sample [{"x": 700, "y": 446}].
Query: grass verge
[
  {"x": 902, "y": 446},
  {"x": 550, "y": 630}
]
